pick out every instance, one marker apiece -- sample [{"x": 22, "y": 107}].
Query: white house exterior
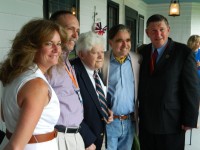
[{"x": 14, "y": 13}]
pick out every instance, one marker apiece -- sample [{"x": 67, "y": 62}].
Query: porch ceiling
[{"x": 167, "y": 1}]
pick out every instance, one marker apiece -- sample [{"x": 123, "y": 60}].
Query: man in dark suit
[
  {"x": 90, "y": 50},
  {"x": 168, "y": 89}
]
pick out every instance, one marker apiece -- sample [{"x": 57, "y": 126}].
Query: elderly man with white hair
[{"x": 90, "y": 50}]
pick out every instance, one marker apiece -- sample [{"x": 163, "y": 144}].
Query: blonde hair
[
  {"x": 191, "y": 43},
  {"x": 25, "y": 45}
]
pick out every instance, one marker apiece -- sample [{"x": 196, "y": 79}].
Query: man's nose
[
  {"x": 75, "y": 34},
  {"x": 100, "y": 54},
  {"x": 158, "y": 33},
  {"x": 124, "y": 43}
]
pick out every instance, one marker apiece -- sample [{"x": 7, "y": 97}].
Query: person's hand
[
  {"x": 110, "y": 118},
  {"x": 91, "y": 147},
  {"x": 185, "y": 128}
]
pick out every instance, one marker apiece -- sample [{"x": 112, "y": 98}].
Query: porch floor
[{"x": 195, "y": 140}]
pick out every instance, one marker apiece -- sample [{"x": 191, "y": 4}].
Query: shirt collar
[
  {"x": 161, "y": 49},
  {"x": 112, "y": 58},
  {"x": 89, "y": 71}
]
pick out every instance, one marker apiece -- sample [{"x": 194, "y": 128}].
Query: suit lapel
[
  {"x": 147, "y": 57},
  {"x": 164, "y": 59},
  {"x": 89, "y": 87}
]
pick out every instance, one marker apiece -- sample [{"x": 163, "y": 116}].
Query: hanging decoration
[{"x": 98, "y": 28}]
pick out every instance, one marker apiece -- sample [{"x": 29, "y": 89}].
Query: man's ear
[
  {"x": 110, "y": 42},
  {"x": 147, "y": 32},
  {"x": 168, "y": 28},
  {"x": 80, "y": 55}
]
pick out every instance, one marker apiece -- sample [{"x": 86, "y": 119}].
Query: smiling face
[
  {"x": 71, "y": 26},
  {"x": 158, "y": 32},
  {"x": 49, "y": 53},
  {"x": 93, "y": 58},
  {"x": 121, "y": 43}
]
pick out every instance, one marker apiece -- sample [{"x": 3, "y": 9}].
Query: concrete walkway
[{"x": 195, "y": 140}]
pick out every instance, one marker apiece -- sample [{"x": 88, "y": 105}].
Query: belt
[
  {"x": 37, "y": 138},
  {"x": 124, "y": 117},
  {"x": 64, "y": 129}
]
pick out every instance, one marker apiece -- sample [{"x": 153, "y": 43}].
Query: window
[
  {"x": 131, "y": 20},
  {"x": 113, "y": 16},
  {"x": 50, "y": 6},
  {"x": 140, "y": 30}
]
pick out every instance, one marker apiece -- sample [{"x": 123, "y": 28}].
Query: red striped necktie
[
  {"x": 101, "y": 96},
  {"x": 153, "y": 60}
]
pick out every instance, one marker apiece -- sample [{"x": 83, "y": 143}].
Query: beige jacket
[{"x": 135, "y": 59}]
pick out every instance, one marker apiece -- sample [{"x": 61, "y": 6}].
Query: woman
[
  {"x": 194, "y": 43},
  {"x": 30, "y": 106}
]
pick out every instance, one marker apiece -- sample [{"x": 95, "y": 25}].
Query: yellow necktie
[{"x": 121, "y": 60}]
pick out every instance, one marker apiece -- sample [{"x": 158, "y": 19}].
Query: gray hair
[
  {"x": 116, "y": 28},
  {"x": 156, "y": 18},
  {"x": 88, "y": 40}
]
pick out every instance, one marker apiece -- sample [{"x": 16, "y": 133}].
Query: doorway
[{"x": 131, "y": 20}]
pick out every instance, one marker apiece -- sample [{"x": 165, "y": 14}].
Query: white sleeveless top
[{"x": 11, "y": 109}]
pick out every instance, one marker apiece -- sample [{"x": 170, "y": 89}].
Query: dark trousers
[
  {"x": 149, "y": 141},
  {"x": 2, "y": 135}
]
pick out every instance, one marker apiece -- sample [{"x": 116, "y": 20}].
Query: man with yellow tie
[{"x": 121, "y": 74}]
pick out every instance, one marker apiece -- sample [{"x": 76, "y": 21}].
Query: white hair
[{"x": 88, "y": 40}]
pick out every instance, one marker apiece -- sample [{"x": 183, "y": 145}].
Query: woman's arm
[{"x": 32, "y": 98}]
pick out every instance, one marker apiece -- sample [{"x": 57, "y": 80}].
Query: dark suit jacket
[
  {"x": 169, "y": 97},
  {"x": 92, "y": 127},
  {"x": 2, "y": 135}
]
